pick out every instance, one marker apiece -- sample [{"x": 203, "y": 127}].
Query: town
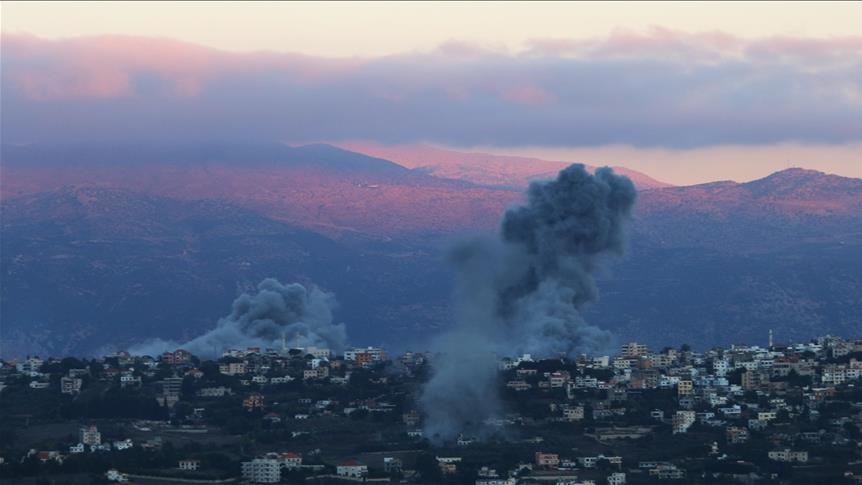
[{"x": 744, "y": 414}]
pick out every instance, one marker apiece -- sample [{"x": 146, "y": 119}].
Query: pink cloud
[
  {"x": 529, "y": 95},
  {"x": 105, "y": 66}
]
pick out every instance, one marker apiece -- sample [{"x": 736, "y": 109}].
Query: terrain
[
  {"x": 479, "y": 168},
  {"x": 111, "y": 245}
]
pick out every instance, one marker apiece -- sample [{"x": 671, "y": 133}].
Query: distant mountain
[
  {"x": 336, "y": 192},
  {"x": 88, "y": 243},
  {"x": 790, "y": 207},
  {"x": 480, "y": 168},
  {"x": 127, "y": 155}
]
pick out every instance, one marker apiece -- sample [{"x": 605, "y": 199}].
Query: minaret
[{"x": 770, "y": 338}]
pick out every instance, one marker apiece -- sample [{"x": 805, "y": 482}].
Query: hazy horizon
[{"x": 685, "y": 93}]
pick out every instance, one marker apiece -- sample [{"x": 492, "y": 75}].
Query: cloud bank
[{"x": 661, "y": 88}]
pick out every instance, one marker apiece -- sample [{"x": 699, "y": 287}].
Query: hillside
[
  {"x": 480, "y": 168},
  {"x": 335, "y": 192},
  {"x": 163, "y": 247},
  {"x": 85, "y": 268}
]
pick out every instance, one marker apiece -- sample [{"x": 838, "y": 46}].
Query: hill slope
[
  {"x": 84, "y": 268},
  {"x": 480, "y": 168},
  {"x": 152, "y": 244}
]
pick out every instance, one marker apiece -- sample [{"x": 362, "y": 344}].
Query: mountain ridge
[
  {"x": 86, "y": 245},
  {"x": 482, "y": 168}
]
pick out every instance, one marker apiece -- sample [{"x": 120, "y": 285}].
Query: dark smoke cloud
[
  {"x": 300, "y": 315},
  {"x": 523, "y": 292}
]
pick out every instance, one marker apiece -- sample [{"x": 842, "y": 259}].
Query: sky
[{"x": 686, "y": 92}]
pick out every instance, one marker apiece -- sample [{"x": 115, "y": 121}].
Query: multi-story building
[
  {"x": 682, "y": 420},
  {"x": 290, "y": 460},
  {"x": 547, "y": 460},
  {"x": 351, "y": 468},
  {"x": 262, "y": 470},
  {"x": 684, "y": 388},
  {"x": 617, "y": 478},
  {"x": 190, "y": 465},
  {"x": 788, "y": 455},
  {"x": 573, "y": 413},
  {"x": 70, "y": 385},
  {"x": 89, "y": 435},
  {"x": 232, "y": 368},
  {"x": 633, "y": 349},
  {"x": 736, "y": 435},
  {"x": 253, "y": 401},
  {"x": 365, "y": 355}
]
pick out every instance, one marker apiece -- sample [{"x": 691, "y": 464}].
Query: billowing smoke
[
  {"x": 300, "y": 315},
  {"x": 523, "y": 291}
]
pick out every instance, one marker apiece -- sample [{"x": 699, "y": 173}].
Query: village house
[
  {"x": 351, "y": 468},
  {"x": 189, "y": 465}
]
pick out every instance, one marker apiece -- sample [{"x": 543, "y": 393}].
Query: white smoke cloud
[{"x": 300, "y": 315}]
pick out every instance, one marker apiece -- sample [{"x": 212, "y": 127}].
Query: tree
[{"x": 428, "y": 468}]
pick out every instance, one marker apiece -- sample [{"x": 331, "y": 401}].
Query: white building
[
  {"x": 375, "y": 354},
  {"x": 262, "y": 470},
  {"x": 351, "y": 468},
  {"x": 90, "y": 435},
  {"x": 291, "y": 461},
  {"x": 617, "y": 478},
  {"x": 190, "y": 465},
  {"x": 683, "y": 420},
  {"x": 123, "y": 444},
  {"x": 115, "y": 476},
  {"x": 70, "y": 385},
  {"x": 787, "y": 455}
]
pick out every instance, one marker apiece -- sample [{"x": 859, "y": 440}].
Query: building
[
  {"x": 391, "y": 464},
  {"x": 89, "y": 435},
  {"x": 220, "y": 391},
  {"x": 189, "y": 465},
  {"x": 291, "y": 461},
  {"x": 128, "y": 379},
  {"x": 559, "y": 379},
  {"x": 411, "y": 418},
  {"x": 125, "y": 444},
  {"x": 70, "y": 385},
  {"x": 365, "y": 355},
  {"x": 318, "y": 352},
  {"x": 351, "y": 468},
  {"x": 253, "y": 401},
  {"x": 617, "y": 478},
  {"x": 171, "y": 389},
  {"x": 232, "y": 368},
  {"x": 115, "y": 476},
  {"x": 321, "y": 372},
  {"x": 177, "y": 357},
  {"x": 574, "y": 413},
  {"x": 684, "y": 388},
  {"x": 788, "y": 456},
  {"x": 547, "y": 460},
  {"x": 633, "y": 349},
  {"x": 683, "y": 420},
  {"x": 262, "y": 470},
  {"x": 736, "y": 435},
  {"x": 448, "y": 464}
]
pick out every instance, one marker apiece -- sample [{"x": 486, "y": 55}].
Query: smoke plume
[
  {"x": 300, "y": 315},
  {"x": 523, "y": 292}
]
